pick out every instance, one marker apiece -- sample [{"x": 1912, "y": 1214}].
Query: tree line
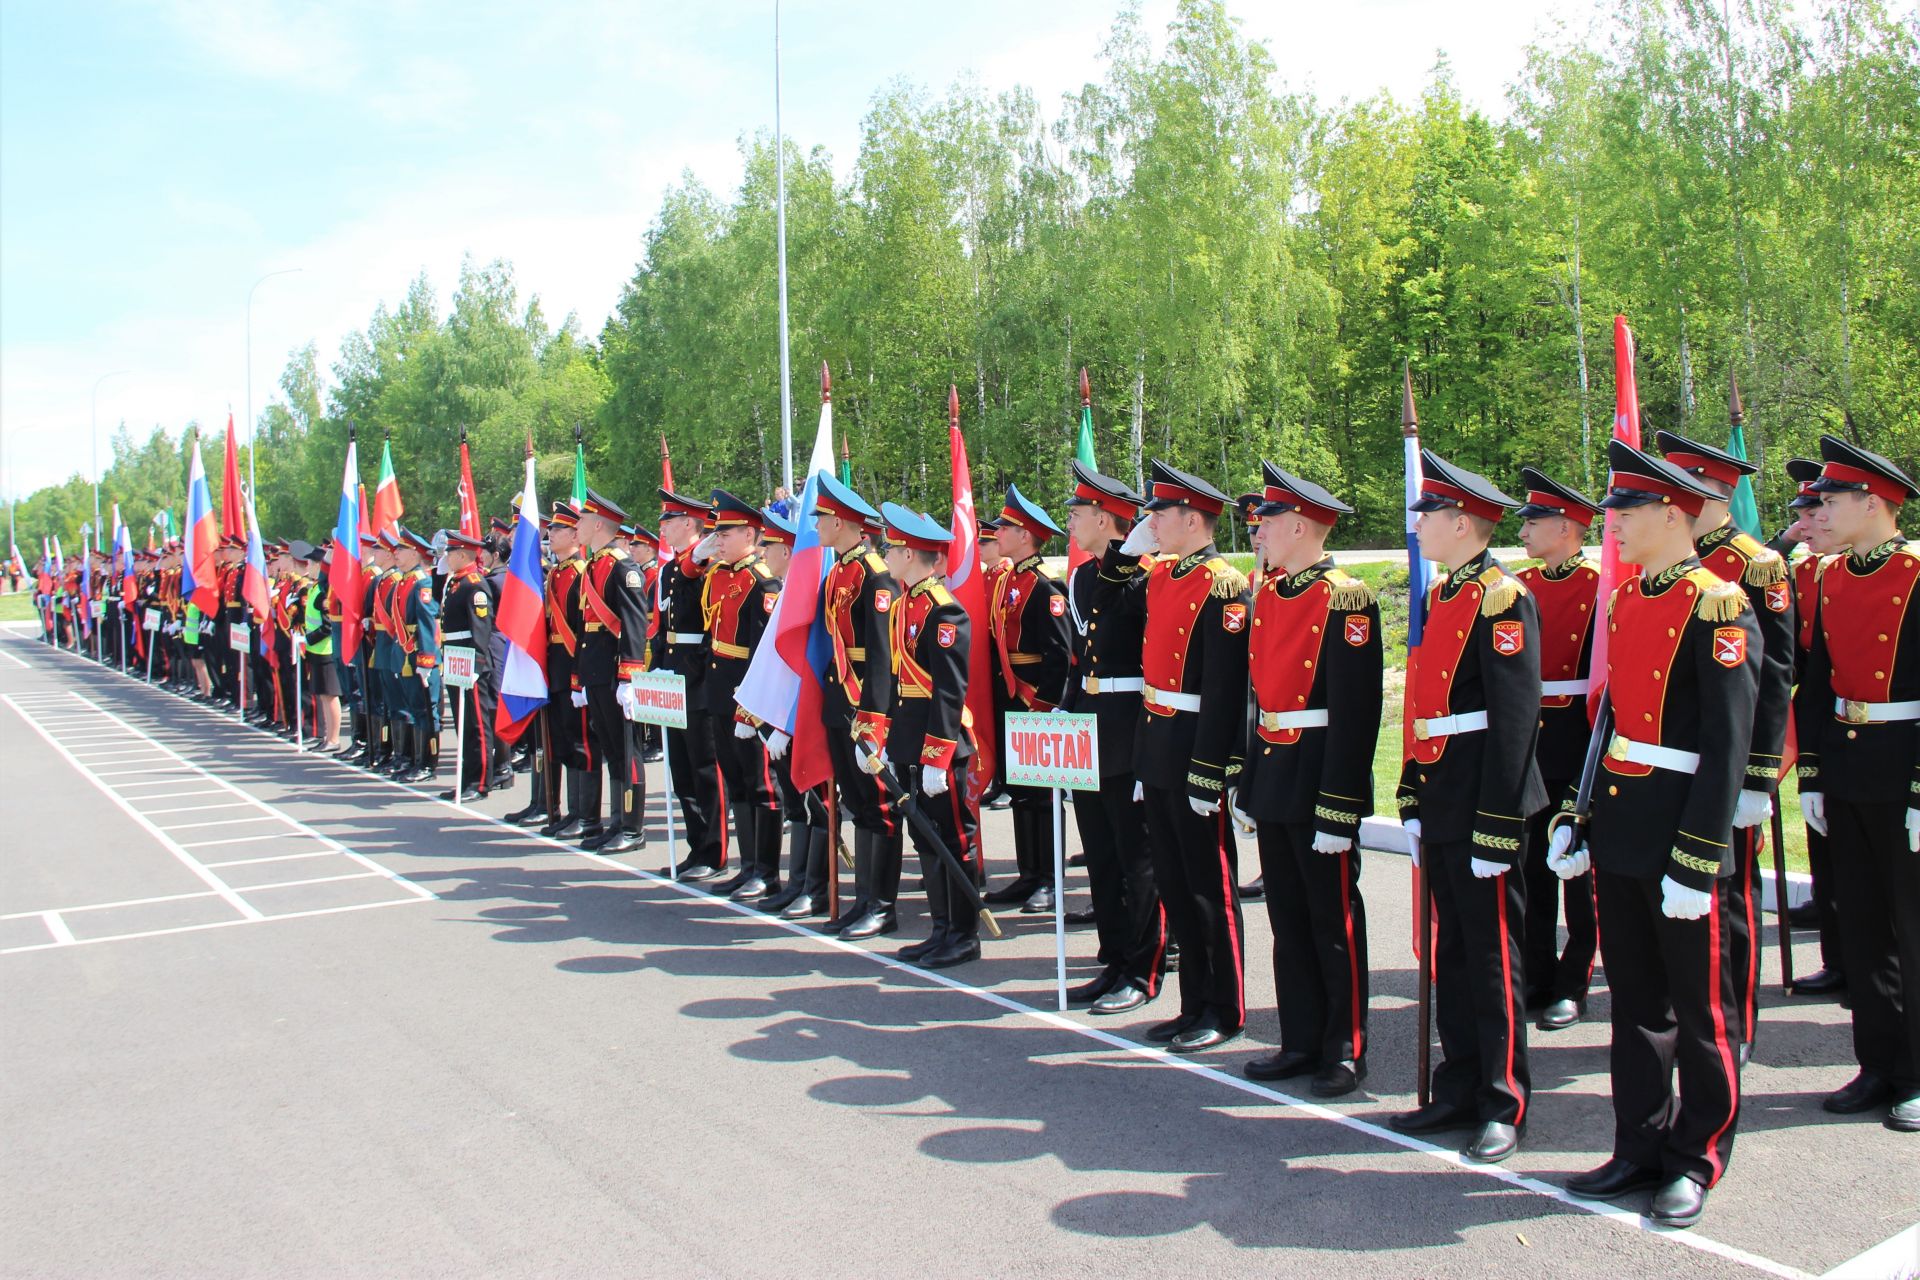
[{"x": 1241, "y": 268}]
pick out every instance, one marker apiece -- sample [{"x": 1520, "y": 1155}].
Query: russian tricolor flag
[
  {"x": 343, "y": 569},
  {"x": 199, "y": 585},
  {"x": 522, "y": 622},
  {"x": 782, "y": 684},
  {"x": 253, "y": 579}
]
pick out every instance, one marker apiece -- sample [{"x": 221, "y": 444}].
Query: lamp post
[
  {"x": 284, "y": 271},
  {"x": 94, "y": 433}
]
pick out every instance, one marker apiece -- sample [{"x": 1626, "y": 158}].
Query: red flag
[
  {"x": 366, "y": 512},
  {"x": 233, "y": 521},
  {"x": 969, "y": 587},
  {"x": 666, "y": 465},
  {"x": 1626, "y": 428},
  {"x": 469, "y": 503}
]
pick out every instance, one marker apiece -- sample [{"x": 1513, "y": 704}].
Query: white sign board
[
  {"x": 239, "y": 636},
  {"x": 456, "y": 666},
  {"x": 660, "y": 697},
  {"x": 1053, "y": 749},
  {"x": 153, "y": 620}
]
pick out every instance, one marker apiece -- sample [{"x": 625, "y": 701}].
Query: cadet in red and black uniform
[
  {"x": 466, "y": 618},
  {"x": 1187, "y": 752},
  {"x": 857, "y": 598},
  {"x": 737, "y": 600},
  {"x": 1106, "y": 602},
  {"x": 805, "y": 891},
  {"x": 1858, "y": 713},
  {"x": 644, "y": 546},
  {"x": 1805, "y": 574},
  {"x": 1466, "y": 791},
  {"x": 1762, "y": 573},
  {"x": 1247, "y": 507},
  {"x": 1028, "y": 613},
  {"x": 993, "y": 567},
  {"x": 613, "y": 649},
  {"x": 680, "y": 644},
  {"x": 1315, "y": 662},
  {"x": 1565, "y": 588},
  {"x": 1683, "y": 665},
  {"x": 569, "y": 736},
  {"x": 927, "y": 738}
]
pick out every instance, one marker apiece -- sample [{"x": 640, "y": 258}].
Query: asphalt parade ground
[{"x": 265, "y": 1014}]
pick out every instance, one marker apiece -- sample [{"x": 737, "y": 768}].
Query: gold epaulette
[
  {"x": 1228, "y": 581},
  {"x": 1349, "y": 593},
  {"x": 1500, "y": 589},
  {"x": 940, "y": 594},
  {"x": 1765, "y": 566},
  {"x": 761, "y": 571},
  {"x": 1720, "y": 601},
  {"x": 873, "y": 562}
]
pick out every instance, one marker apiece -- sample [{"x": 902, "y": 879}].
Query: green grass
[{"x": 17, "y": 607}]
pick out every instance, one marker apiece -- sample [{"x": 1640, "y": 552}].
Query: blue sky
[{"x": 158, "y": 156}]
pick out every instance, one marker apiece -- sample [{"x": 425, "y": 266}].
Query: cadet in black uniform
[
  {"x": 680, "y": 644},
  {"x": 737, "y": 599},
  {"x": 466, "y": 618},
  {"x": 1466, "y": 792},
  {"x": 613, "y": 648},
  {"x": 1106, "y": 604}
]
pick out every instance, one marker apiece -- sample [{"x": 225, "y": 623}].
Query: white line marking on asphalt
[
  {"x": 122, "y": 773},
  {"x": 1452, "y": 1159},
  {"x": 18, "y": 662},
  {"x": 264, "y": 835},
  {"x": 218, "y": 924},
  {"x": 195, "y": 808},
  {"x": 178, "y": 795},
  {"x": 278, "y": 857},
  {"x": 157, "y": 782},
  {"x": 187, "y": 860},
  {"x": 295, "y": 884},
  {"x": 56, "y": 926},
  {"x": 225, "y": 822},
  {"x": 125, "y": 902},
  {"x": 1895, "y": 1257}
]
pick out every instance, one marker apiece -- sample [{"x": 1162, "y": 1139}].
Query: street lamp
[
  {"x": 284, "y": 271},
  {"x": 94, "y": 428}
]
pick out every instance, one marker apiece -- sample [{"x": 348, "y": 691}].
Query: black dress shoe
[
  {"x": 878, "y": 921},
  {"x": 1804, "y": 916},
  {"x": 1205, "y": 1034},
  {"x": 1001, "y": 801},
  {"x": 777, "y": 902},
  {"x": 1904, "y": 1116},
  {"x": 1744, "y": 1053},
  {"x": 538, "y": 818},
  {"x": 1039, "y": 902},
  {"x": 1124, "y": 998},
  {"x": 466, "y": 795},
  {"x": 1256, "y": 890},
  {"x": 858, "y": 911},
  {"x": 698, "y": 872},
  {"x": 1862, "y": 1093},
  {"x": 912, "y": 952},
  {"x": 957, "y": 951},
  {"x": 622, "y": 842},
  {"x": 595, "y": 839},
  {"x": 1284, "y": 1065},
  {"x": 802, "y": 907},
  {"x": 1559, "y": 1015},
  {"x": 733, "y": 882},
  {"x": 1612, "y": 1180},
  {"x": 753, "y": 890},
  {"x": 1088, "y": 992},
  {"x": 1820, "y": 982},
  {"x": 1494, "y": 1143},
  {"x": 1162, "y": 1032},
  {"x": 1337, "y": 1079},
  {"x": 502, "y": 781},
  {"x": 1435, "y": 1117},
  {"x": 1678, "y": 1204},
  {"x": 1017, "y": 891},
  {"x": 570, "y": 828},
  {"x": 1077, "y": 860}
]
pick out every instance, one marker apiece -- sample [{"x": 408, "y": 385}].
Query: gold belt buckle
[
  {"x": 1856, "y": 711},
  {"x": 1420, "y": 730},
  {"x": 1092, "y": 684},
  {"x": 1617, "y": 749},
  {"x": 1270, "y": 721}
]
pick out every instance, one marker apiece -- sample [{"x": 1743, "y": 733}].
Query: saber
[
  {"x": 1582, "y": 809},
  {"x": 1780, "y": 900},
  {"x": 924, "y": 827}
]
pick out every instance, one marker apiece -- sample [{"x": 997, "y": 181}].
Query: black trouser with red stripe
[
  {"x": 1319, "y": 942},
  {"x": 1672, "y": 996},
  {"x": 1879, "y": 882},
  {"x": 607, "y": 725},
  {"x": 1477, "y": 985},
  {"x": 1553, "y": 974},
  {"x": 754, "y": 797},
  {"x": 957, "y": 820},
  {"x": 1126, "y": 904},
  {"x": 479, "y": 746},
  {"x": 693, "y": 763},
  {"x": 1826, "y": 900},
  {"x": 1196, "y": 866},
  {"x": 1741, "y": 898}
]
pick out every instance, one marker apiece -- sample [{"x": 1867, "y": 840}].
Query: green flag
[
  {"x": 846, "y": 465},
  {"x": 579, "y": 473},
  {"x": 1083, "y": 454},
  {"x": 1745, "y": 511}
]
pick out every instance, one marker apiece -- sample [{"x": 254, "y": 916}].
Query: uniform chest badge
[
  {"x": 882, "y": 601},
  {"x": 1779, "y": 596},
  {"x": 945, "y": 634},
  {"x": 633, "y": 578},
  {"x": 766, "y": 601},
  {"x": 1509, "y": 637},
  {"x": 1058, "y": 606},
  {"x": 1729, "y": 646},
  {"x": 1359, "y": 629},
  {"x": 1234, "y": 617}
]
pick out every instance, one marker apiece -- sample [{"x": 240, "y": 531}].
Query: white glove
[
  {"x": 1752, "y": 809},
  {"x": 934, "y": 782},
  {"x": 741, "y": 729},
  {"x": 1677, "y": 902},
  {"x": 624, "y": 695},
  {"x": 578, "y": 697},
  {"x": 1327, "y": 842},
  {"x": 707, "y": 548},
  {"x": 1241, "y": 818},
  {"x": 777, "y": 744},
  {"x": 1139, "y": 793},
  {"x": 870, "y": 761},
  {"x": 1562, "y": 860},
  {"x": 1205, "y": 808},
  {"x": 1412, "y": 827},
  {"x": 1484, "y": 870},
  {"x": 1141, "y": 541},
  {"x": 1913, "y": 831},
  {"x": 1813, "y": 807}
]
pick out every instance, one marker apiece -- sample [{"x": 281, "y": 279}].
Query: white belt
[
  {"x": 1622, "y": 748},
  {"x": 1172, "y": 701},
  {"x": 1113, "y": 684},
  {"x": 1275, "y": 721},
  {"x": 1447, "y": 726},
  {"x": 1854, "y": 711},
  {"x": 456, "y": 635},
  {"x": 686, "y": 637},
  {"x": 1563, "y": 688}
]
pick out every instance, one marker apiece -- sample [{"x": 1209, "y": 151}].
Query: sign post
[
  {"x": 456, "y": 672},
  {"x": 240, "y": 640},
  {"x": 659, "y": 698},
  {"x": 152, "y": 625},
  {"x": 1060, "y": 750}
]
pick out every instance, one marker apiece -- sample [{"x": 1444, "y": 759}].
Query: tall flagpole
[{"x": 780, "y": 235}]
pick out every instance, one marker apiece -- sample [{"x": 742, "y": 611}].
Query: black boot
[
  {"x": 426, "y": 755},
  {"x": 567, "y": 824},
  {"x": 626, "y": 833},
  {"x": 589, "y": 811},
  {"x": 800, "y": 841},
  {"x": 399, "y": 749},
  {"x": 884, "y": 873},
  {"x": 862, "y": 880}
]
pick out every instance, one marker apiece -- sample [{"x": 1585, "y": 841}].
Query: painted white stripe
[
  {"x": 295, "y": 884},
  {"x": 225, "y": 822},
  {"x": 177, "y": 795},
  {"x": 264, "y": 835},
  {"x": 1897, "y": 1257},
  {"x": 278, "y": 857},
  {"x": 217, "y": 924},
  {"x": 18, "y": 662},
  {"x": 187, "y": 860},
  {"x": 56, "y": 926},
  {"x": 109, "y": 906},
  {"x": 124, "y": 773},
  {"x": 195, "y": 808}
]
